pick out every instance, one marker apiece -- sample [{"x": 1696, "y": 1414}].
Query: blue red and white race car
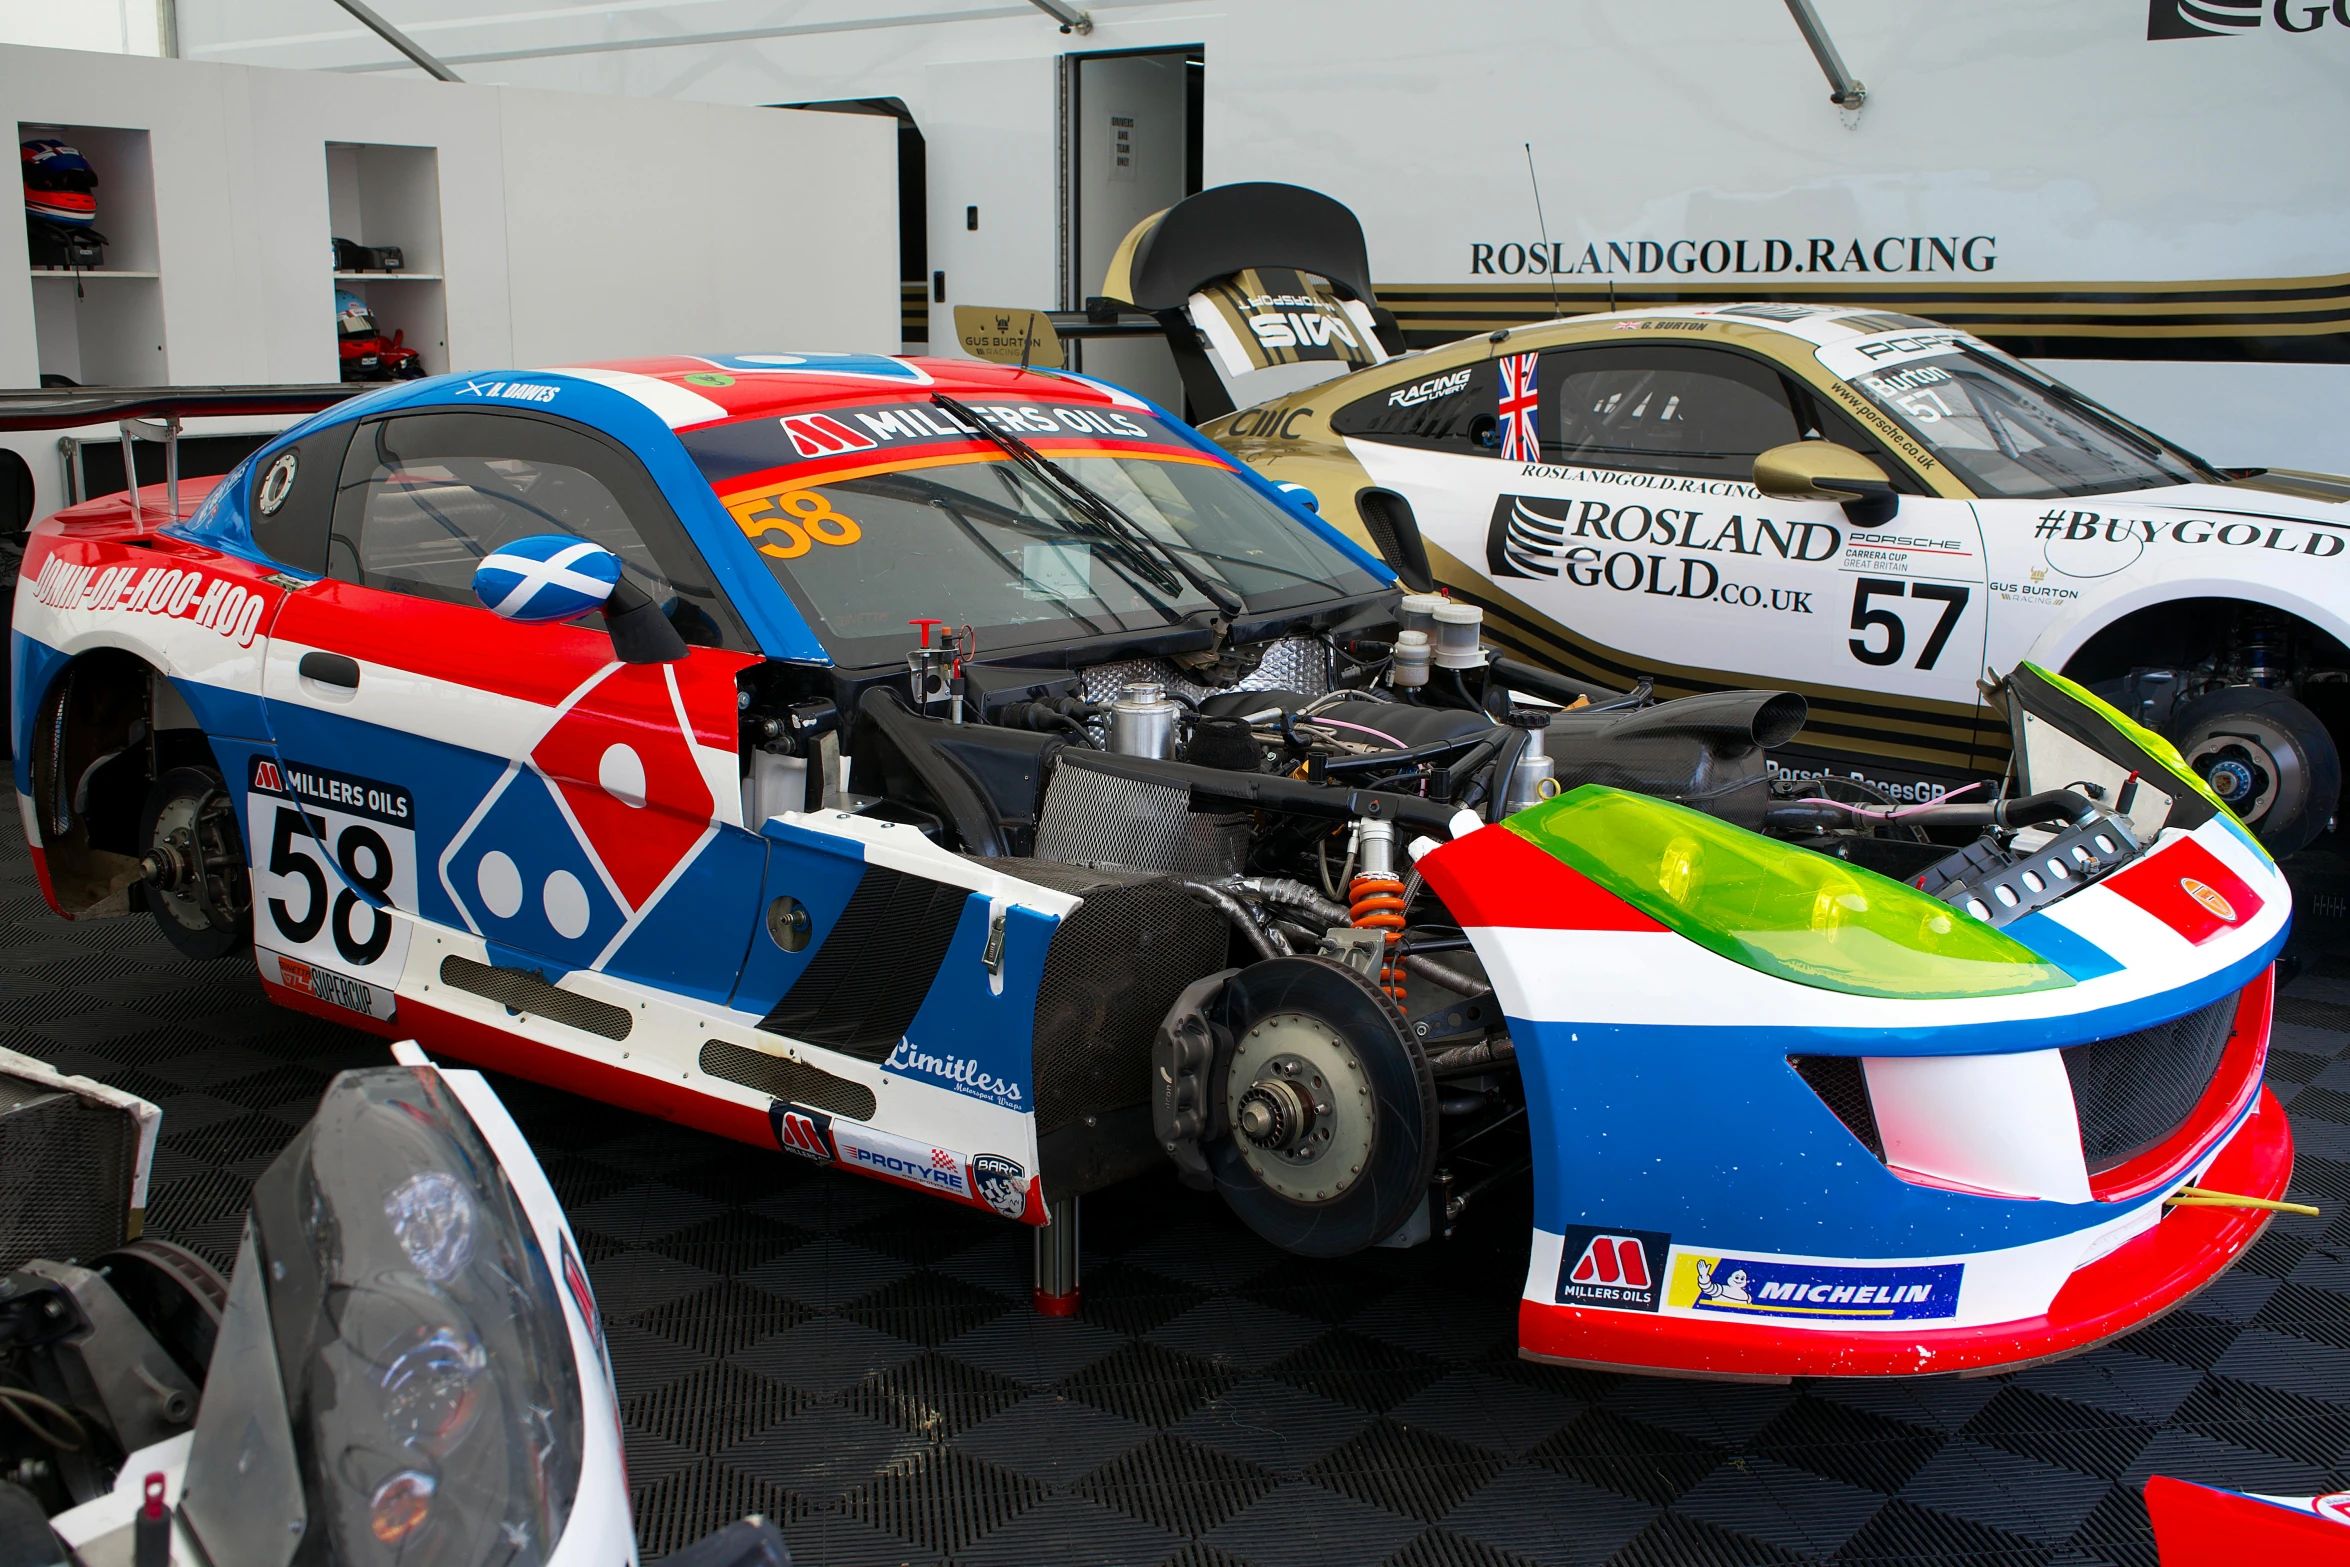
[{"x": 968, "y": 776}]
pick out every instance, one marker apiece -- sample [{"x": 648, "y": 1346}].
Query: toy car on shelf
[
  {"x": 971, "y": 777},
  {"x": 363, "y": 350},
  {"x": 1867, "y": 508}
]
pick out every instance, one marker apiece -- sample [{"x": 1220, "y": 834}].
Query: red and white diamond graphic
[{"x": 628, "y": 774}]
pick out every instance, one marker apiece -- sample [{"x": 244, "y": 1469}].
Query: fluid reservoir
[
  {"x": 1142, "y": 721},
  {"x": 1411, "y": 653},
  {"x": 1457, "y": 629},
  {"x": 1417, "y": 612},
  {"x": 1535, "y": 776}
]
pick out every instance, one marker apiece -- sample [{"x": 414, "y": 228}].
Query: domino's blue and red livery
[{"x": 940, "y": 770}]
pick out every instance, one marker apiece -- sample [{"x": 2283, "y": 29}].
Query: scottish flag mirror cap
[{"x": 545, "y": 578}]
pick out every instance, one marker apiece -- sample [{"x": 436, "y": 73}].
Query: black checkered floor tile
[{"x": 862, "y": 1365}]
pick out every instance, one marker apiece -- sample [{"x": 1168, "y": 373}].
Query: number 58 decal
[
  {"x": 1870, "y": 621},
  {"x": 333, "y": 855}
]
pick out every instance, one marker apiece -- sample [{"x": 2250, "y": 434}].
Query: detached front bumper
[{"x": 2118, "y": 1292}]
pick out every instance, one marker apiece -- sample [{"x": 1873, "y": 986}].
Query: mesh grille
[
  {"x": 1097, "y": 818},
  {"x": 69, "y": 1163},
  {"x": 1115, "y": 966},
  {"x": 2134, "y": 1090},
  {"x": 1300, "y": 664},
  {"x": 875, "y": 965},
  {"x": 793, "y": 1080},
  {"x": 1843, "y": 1087},
  {"x": 521, "y": 990}
]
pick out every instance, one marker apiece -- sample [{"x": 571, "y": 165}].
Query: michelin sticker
[{"x": 1756, "y": 1287}]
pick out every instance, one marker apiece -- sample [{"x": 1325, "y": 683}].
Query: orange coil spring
[{"x": 1378, "y": 905}]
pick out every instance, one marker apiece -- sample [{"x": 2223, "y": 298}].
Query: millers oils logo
[
  {"x": 2225, "y": 18},
  {"x": 1619, "y": 1270}
]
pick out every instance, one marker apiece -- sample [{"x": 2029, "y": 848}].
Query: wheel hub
[
  {"x": 2249, "y": 776},
  {"x": 1275, "y": 1114},
  {"x": 1301, "y": 1107}
]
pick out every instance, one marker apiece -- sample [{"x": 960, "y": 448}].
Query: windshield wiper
[
  {"x": 1096, "y": 508},
  {"x": 2146, "y": 441}
]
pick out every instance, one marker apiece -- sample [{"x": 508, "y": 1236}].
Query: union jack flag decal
[{"x": 1521, "y": 440}]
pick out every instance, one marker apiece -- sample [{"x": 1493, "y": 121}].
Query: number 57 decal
[{"x": 1866, "y": 619}]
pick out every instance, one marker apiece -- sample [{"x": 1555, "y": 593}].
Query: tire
[
  {"x": 2268, "y": 757},
  {"x": 1310, "y": 1032},
  {"x": 188, "y": 821}
]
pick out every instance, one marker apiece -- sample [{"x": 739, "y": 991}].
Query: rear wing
[
  {"x": 154, "y": 413},
  {"x": 1239, "y": 279}
]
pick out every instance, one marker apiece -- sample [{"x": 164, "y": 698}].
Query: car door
[
  {"x": 1624, "y": 535},
  {"x": 434, "y": 762}
]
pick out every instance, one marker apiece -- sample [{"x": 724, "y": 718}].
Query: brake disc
[{"x": 1301, "y": 1108}]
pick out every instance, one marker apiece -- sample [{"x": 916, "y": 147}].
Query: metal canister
[
  {"x": 1535, "y": 775},
  {"x": 1142, "y": 720}
]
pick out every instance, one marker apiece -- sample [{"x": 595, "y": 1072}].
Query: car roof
[{"x": 690, "y": 389}]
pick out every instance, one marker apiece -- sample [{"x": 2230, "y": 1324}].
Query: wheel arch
[
  {"x": 2079, "y": 647},
  {"x": 103, "y": 723}
]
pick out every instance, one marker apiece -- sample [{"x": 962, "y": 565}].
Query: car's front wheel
[
  {"x": 196, "y": 882},
  {"x": 1330, "y": 1107},
  {"x": 2268, "y": 757}
]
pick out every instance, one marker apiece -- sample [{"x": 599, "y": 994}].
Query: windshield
[
  {"x": 2005, "y": 432},
  {"x": 950, "y": 527}
]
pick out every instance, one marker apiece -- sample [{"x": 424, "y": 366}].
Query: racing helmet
[
  {"x": 352, "y": 317},
  {"x": 57, "y": 184}
]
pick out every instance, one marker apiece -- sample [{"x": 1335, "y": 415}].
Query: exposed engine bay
[{"x": 1304, "y": 1022}]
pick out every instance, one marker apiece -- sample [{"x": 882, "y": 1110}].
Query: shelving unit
[
  {"x": 387, "y": 195},
  {"x": 104, "y": 327}
]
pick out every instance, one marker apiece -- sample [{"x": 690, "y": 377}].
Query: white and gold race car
[{"x": 1868, "y": 508}]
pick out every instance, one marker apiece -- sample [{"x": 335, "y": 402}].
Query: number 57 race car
[
  {"x": 970, "y": 777},
  {"x": 1864, "y": 507}
]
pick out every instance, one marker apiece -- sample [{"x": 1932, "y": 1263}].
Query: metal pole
[
  {"x": 171, "y": 463},
  {"x": 400, "y": 41},
  {"x": 1849, "y": 93},
  {"x": 1071, "y": 19},
  {"x": 1056, "y": 1260},
  {"x": 130, "y": 472}
]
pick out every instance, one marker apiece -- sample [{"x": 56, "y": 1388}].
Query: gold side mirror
[
  {"x": 1824, "y": 471},
  {"x": 1008, "y": 337}
]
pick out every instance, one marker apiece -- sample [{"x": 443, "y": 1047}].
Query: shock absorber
[{"x": 1375, "y": 898}]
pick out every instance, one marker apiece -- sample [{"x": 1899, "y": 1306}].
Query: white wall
[
  {"x": 2094, "y": 155},
  {"x": 571, "y": 227}
]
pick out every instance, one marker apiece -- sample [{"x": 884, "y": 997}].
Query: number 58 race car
[{"x": 970, "y": 777}]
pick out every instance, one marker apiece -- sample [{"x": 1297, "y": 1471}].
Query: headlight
[
  {"x": 1784, "y": 911},
  {"x": 435, "y": 1406}
]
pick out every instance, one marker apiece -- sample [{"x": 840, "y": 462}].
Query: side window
[
  {"x": 424, "y": 497},
  {"x": 1679, "y": 410},
  {"x": 1446, "y": 410},
  {"x": 292, "y": 500}
]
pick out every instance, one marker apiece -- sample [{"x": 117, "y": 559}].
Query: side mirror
[
  {"x": 1395, "y": 534},
  {"x": 1824, "y": 471},
  {"x": 550, "y": 578}
]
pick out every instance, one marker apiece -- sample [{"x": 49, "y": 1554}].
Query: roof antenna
[{"x": 1550, "y": 256}]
